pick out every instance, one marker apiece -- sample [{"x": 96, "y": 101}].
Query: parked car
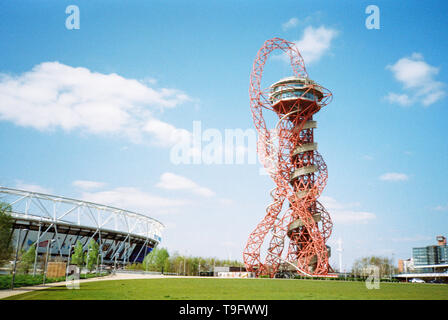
[
  {"x": 436, "y": 281},
  {"x": 416, "y": 280}
]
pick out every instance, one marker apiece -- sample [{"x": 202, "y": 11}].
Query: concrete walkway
[{"x": 118, "y": 276}]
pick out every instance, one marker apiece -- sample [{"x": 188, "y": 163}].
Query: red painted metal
[{"x": 294, "y": 200}]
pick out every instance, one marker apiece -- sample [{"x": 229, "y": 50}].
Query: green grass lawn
[{"x": 244, "y": 289}]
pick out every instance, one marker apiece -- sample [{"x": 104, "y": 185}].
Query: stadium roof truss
[{"x": 48, "y": 212}]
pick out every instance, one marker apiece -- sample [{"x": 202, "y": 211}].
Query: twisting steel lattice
[{"x": 298, "y": 225}]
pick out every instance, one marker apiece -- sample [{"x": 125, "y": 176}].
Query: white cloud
[
  {"x": 226, "y": 202},
  {"x": 441, "y": 208},
  {"x": 32, "y": 187},
  {"x": 291, "y": 23},
  {"x": 130, "y": 198},
  {"x": 165, "y": 133},
  {"x": 412, "y": 239},
  {"x": 149, "y": 80},
  {"x": 352, "y": 217},
  {"x": 417, "y": 79},
  {"x": 315, "y": 43},
  {"x": 346, "y": 213},
  {"x": 86, "y": 184},
  {"x": 228, "y": 244},
  {"x": 57, "y": 96},
  {"x": 171, "y": 181},
  {"x": 394, "y": 176},
  {"x": 401, "y": 99}
]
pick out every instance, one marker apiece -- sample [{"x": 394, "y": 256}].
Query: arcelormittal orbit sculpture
[{"x": 293, "y": 233}]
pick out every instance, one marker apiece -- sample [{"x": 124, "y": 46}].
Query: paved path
[{"x": 118, "y": 276}]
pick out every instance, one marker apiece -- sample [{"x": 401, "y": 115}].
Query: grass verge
[
  {"x": 237, "y": 289},
  {"x": 25, "y": 280}
]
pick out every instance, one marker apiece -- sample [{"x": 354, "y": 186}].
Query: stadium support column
[{"x": 37, "y": 249}]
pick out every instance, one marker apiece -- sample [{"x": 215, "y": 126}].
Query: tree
[
  {"x": 27, "y": 259},
  {"x": 149, "y": 260},
  {"x": 92, "y": 254},
  {"x": 156, "y": 260},
  {"x": 385, "y": 266},
  {"x": 162, "y": 258},
  {"x": 176, "y": 263},
  {"x": 78, "y": 255},
  {"x": 6, "y": 222}
]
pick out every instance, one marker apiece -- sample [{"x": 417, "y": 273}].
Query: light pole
[
  {"x": 339, "y": 250},
  {"x": 69, "y": 256},
  {"x": 37, "y": 250},
  {"x": 102, "y": 263},
  {"x": 87, "y": 260},
  {"x": 392, "y": 266},
  {"x": 15, "y": 259},
  {"x": 46, "y": 259}
]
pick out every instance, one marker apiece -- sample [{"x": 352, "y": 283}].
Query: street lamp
[
  {"x": 87, "y": 260},
  {"x": 392, "y": 266}
]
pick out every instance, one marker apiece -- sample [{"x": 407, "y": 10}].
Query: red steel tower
[{"x": 296, "y": 226}]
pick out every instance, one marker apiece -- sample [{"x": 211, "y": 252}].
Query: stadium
[{"x": 57, "y": 223}]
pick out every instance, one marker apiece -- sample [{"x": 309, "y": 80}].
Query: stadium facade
[{"x": 57, "y": 223}]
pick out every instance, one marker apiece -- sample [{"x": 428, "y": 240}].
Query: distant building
[
  {"x": 429, "y": 263},
  {"x": 431, "y": 255},
  {"x": 441, "y": 241},
  {"x": 232, "y": 272},
  {"x": 216, "y": 270},
  {"x": 405, "y": 266}
]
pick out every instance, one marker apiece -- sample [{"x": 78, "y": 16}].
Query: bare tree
[{"x": 384, "y": 264}]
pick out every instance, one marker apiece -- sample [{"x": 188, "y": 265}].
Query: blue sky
[{"x": 150, "y": 68}]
